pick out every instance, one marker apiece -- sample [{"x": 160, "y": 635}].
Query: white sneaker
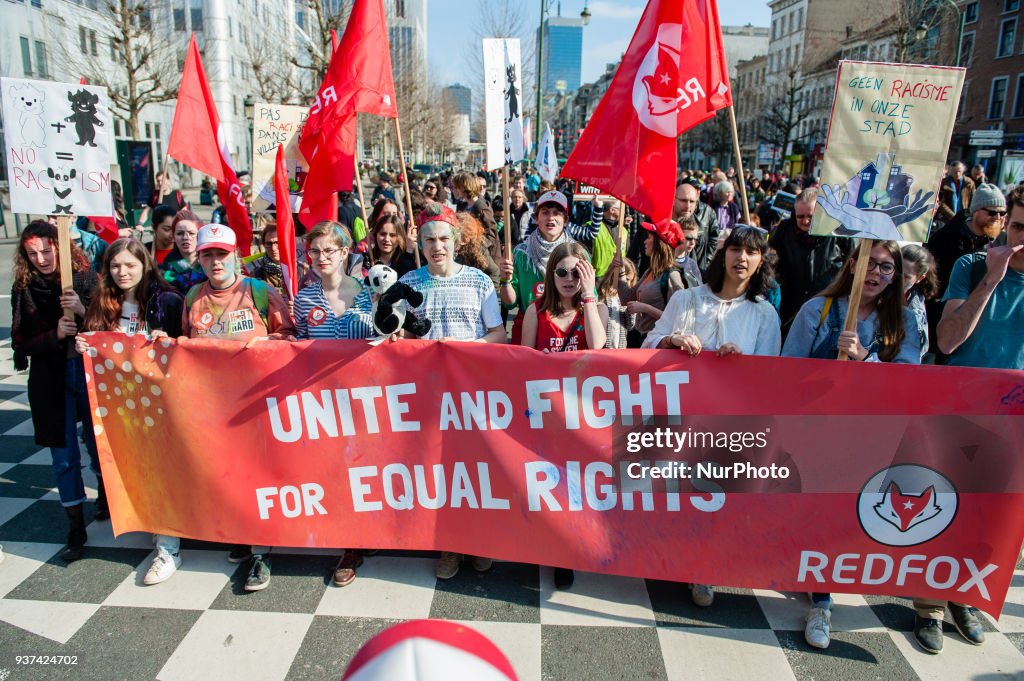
[
  {"x": 164, "y": 565},
  {"x": 702, "y": 594},
  {"x": 818, "y": 631}
]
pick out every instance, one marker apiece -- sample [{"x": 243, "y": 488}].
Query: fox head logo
[
  {"x": 905, "y": 511},
  {"x": 893, "y": 517}
]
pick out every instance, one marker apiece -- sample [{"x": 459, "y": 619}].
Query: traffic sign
[{"x": 986, "y": 138}]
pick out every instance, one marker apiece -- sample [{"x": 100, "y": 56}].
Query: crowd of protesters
[{"x": 583, "y": 273}]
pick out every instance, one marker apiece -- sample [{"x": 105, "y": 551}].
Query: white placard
[
  {"x": 503, "y": 94},
  {"x": 58, "y": 140}
]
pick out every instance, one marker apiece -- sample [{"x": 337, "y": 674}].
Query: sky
[{"x": 450, "y": 31}]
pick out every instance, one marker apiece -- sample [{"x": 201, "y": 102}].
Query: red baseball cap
[
  {"x": 553, "y": 196},
  {"x": 668, "y": 231}
]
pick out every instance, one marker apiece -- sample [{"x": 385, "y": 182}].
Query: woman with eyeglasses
[
  {"x": 886, "y": 332},
  {"x": 337, "y": 306},
  {"x": 566, "y": 318}
]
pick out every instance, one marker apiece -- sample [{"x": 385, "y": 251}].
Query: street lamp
[
  {"x": 585, "y": 14},
  {"x": 921, "y": 32}
]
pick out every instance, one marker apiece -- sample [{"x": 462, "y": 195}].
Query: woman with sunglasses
[
  {"x": 565, "y": 318},
  {"x": 886, "y": 332}
]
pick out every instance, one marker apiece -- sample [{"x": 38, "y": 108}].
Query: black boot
[
  {"x": 76, "y": 534},
  {"x": 102, "y": 510}
]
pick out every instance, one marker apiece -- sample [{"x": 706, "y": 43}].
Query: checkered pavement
[{"x": 201, "y": 624}]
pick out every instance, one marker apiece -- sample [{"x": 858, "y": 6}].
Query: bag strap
[
  {"x": 261, "y": 298},
  {"x": 824, "y": 313}
]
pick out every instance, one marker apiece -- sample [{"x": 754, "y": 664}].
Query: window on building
[
  {"x": 145, "y": 18},
  {"x": 83, "y": 40},
  {"x": 117, "y": 127},
  {"x": 400, "y": 9},
  {"x": 231, "y": 31},
  {"x": 300, "y": 19},
  {"x": 92, "y": 4},
  {"x": 26, "y": 56},
  {"x": 149, "y": 131},
  {"x": 1010, "y": 6},
  {"x": 970, "y": 12},
  {"x": 234, "y": 104},
  {"x": 967, "y": 49},
  {"x": 800, "y": 18},
  {"x": 1018, "y": 98},
  {"x": 41, "y": 68},
  {"x": 92, "y": 43},
  {"x": 38, "y": 4},
  {"x": 156, "y": 130},
  {"x": 775, "y": 31},
  {"x": 997, "y": 98},
  {"x": 792, "y": 20},
  {"x": 179, "y": 18},
  {"x": 197, "y": 15},
  {"x": 1007, "y": 37}
]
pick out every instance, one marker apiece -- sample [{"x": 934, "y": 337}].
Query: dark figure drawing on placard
[
  {"x": 511, "y": 94},
  {"x": 83, "y": 113},
  {"x": 61, "y": 179}
]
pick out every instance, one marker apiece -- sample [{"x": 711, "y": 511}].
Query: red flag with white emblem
[
  {"x": 673, "y": 77},
  {"x": 359, "y": 79},
  {"x": 198, "y": 141}
]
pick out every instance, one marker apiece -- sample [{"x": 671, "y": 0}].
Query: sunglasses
[
  {"x": 563, "y": 273},
  {"x": 690, "y": 239},
  {"x": 995, "y": 213}
]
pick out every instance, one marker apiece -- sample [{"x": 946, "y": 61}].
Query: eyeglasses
[
  {"x": 886, "y": 268},
  {"x": 690, "y": 239},
  {"x": 324, "y": 252},
  {"x": 563, "y": 273},
  {"x": 995, "y": 213}
]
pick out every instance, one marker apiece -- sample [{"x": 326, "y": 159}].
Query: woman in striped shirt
[{"x": 337, "y": 306}]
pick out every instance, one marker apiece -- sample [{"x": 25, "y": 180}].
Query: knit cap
[{"x": 987, "y": 196}]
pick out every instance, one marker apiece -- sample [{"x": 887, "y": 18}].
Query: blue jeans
[
  {"x": 67, "y": 460},
  {"x": 821, "y": 600}
]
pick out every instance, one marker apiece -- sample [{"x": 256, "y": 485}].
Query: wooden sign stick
[
  {"x": 859, "y": 275},
  {"x": 405, "y": 179},
  {"x": 742, "y": 182},
  {"x": 507, "y": 229},
  {"x": 362, "y": 209},
  {"x": 64, "y": 256}
]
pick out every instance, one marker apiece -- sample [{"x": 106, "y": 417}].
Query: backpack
[{"x": 258, "y": 290}]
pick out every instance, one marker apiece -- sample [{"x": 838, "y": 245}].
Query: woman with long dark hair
[
  {"x": 57, "y": 394},
  {"x": 885, "y": 333},
  {"x": 390, "y": 245}
]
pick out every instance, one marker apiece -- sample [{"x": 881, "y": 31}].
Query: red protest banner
[{"x": 898, "y": 479}]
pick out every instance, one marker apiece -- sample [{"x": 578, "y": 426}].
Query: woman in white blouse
[{"x": 729, "y": 314}]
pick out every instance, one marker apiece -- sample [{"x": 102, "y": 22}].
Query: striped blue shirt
[{"x": 314, "y": 318}]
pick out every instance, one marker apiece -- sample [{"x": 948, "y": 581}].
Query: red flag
[
  {"x": 358, "y": 79},
  {"x": 198, "y": 141},
  {"x": 673, "y": 76},
  {"x": 285, "y": 226},
  {"x": 334, "y": 41}
]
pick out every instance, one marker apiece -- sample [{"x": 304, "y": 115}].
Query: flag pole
[
  {"x": 405, "y": 181},
  {"x": 507, "y": 228},
  {"x": 362, "y": 205},
  {"x": 739, "y": 165}
]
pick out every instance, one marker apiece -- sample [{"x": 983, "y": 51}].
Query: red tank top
[{"x": 550, "y": 338}]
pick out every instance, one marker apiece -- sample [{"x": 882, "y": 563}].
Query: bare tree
[
  {"x": 785, "y": 111},
  {"x": 142, "y": 68},
  {"x": 924, "y": 32},
  {"x": 275, "y": 75},
  {"x": 315, "y": 35}
]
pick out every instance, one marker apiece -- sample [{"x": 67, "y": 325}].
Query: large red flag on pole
[
  {"x": 358, "y": 80},
  {"x": 285, "y": 226},
  {"x": 198, "y": 141},
  {"x": 673, "y": 76}
]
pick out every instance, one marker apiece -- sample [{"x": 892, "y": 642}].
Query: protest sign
[
  {"x": 503, "y": 93},
  {"x": 275, "y": 124},
  {"x": 886, "y": 150},
  {"x": 794, "y": 485},
  {"x": 58, "y": 145}
]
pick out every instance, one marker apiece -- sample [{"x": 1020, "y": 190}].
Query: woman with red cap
[{"x": 662, "y": 279}]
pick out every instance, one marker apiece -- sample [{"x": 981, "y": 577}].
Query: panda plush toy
[{"x": 393, "y": 302}]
